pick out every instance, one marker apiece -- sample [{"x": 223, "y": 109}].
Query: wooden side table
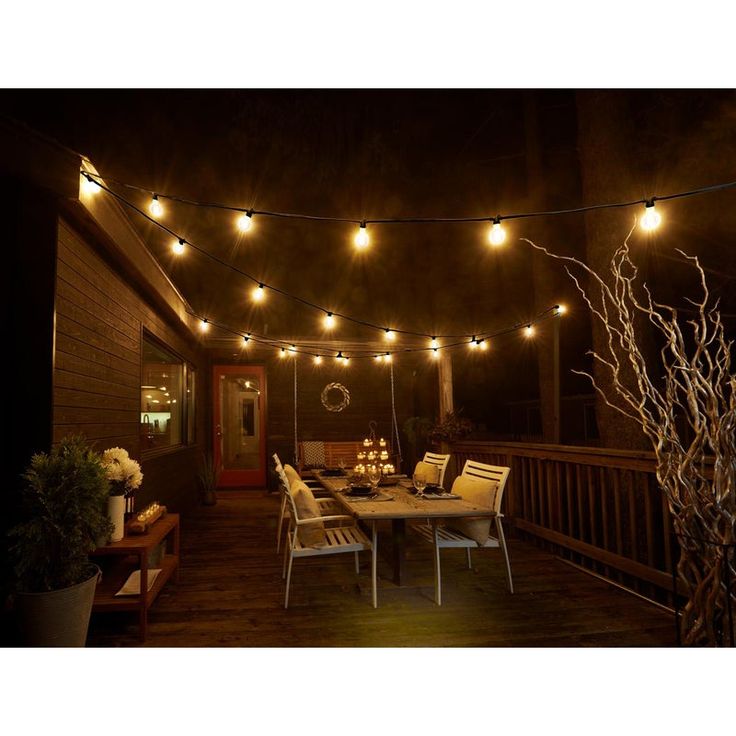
[{"x": 131, "y": 554}]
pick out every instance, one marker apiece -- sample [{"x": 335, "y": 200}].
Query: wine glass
[
  {"x": 341, "y": 465},
  {"x": 420, "y": 482},
  {"x": 374, "y": 476}
]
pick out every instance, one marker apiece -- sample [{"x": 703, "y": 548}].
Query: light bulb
[
  {"x": 204, "y": 325},
  {"x": 89, "y": 185},
  {"x": 246, "y": 338},
  {"x": 434, "y": 344},
  {"x": 378, "y": 358},
  {"x": 155, "y": 207},
  {"x": 178, "y": 246},
  {"x": 245, "y": 221},
  {"x": 361, "y": 237},
  {"x": 651, "y": 218},
  {"x": 390, "y": 334},
  {"x": 258, "y": 293},
  {"x": 436, "y": 353},
  {"x": 292, "y": 348},
  {"x": 529, "y": 331},
  {"x": 282, "y": 354},
  {"x": 387, "y": 358},
  {"x": 345, "y": 360},
  {"x": 329, "y": 320},
  {"x": 317, "y": 359},
  {"x": 474, "y": 342},
  {"x": 338, "y": 357},
  {"x": 561, "y": 309},
  {"x": 483, "y": 345},
  {"x": 496, "y": 235}
]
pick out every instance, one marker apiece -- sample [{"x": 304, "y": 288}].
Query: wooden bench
[{"x": 334, "y": 452}]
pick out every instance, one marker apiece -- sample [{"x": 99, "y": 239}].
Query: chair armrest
[{"x": 334, "y": 517}]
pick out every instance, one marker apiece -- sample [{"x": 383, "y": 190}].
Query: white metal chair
[
  {"x": 440, "y": 461},
  {"x": 445, "y": 537},
  {"x": 328, "y": 505},
  {"x": 346, "y": 537}
]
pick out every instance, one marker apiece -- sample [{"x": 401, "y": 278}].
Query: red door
[{"x": 239, "y": 441}]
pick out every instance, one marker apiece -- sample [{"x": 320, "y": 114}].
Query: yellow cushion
[
  {"x": 292, "y": 475},
  {"x": 310, "y": 535},
  {"x": 431, "y": 472},
  {"x": 480, "y": 493}
]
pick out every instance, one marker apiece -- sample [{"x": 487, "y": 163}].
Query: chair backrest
[
  {"x": 440, "y": 461},
  {"x": 280, "y": 470},
  {"x": 499, "y": 473}
]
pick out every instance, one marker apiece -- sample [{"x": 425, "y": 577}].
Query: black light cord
[{"x": 410, "y": 220}]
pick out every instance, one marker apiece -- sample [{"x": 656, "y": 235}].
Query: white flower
[{"x": 120, "y": 467}]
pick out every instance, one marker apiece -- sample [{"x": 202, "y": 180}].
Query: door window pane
[
  {"x": 240, "y": 407},
  {"x": 190, "y": 405},
  {"x": 161, "y": 397}
]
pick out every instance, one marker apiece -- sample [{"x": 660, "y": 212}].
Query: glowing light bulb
[
  {"x": 496, "y": 235},
  {"x": 561, "y": 309},
  {"x": 483, "y": 345},
  {"x": 339, "y": 357},
  {"x": 89, "y": 185},
  {"x": 436, "y": 353},
  {"x": 317, "y": 359},
  {"x": 245, "y": 221},
  {"x": 378, "y": 358},
  {"x": 204, "y": 325},
  {"x": 247, "y": 384},
  {"x": 155, "y": 207},
  {"x": 258, "y": 293},
  {"x": 178, "y": 246},
  {"x": 529, "y": 331},
  {"x": 651, "y": 218},
  {"x": 292, "y": 348},
  {"x": 246, "y": 338},
  {"x": 329, "y": 320},
  {"x": 345, "y": 360},
  {"x": 361, "y": 237},
  {"x": 282, "y": 354},
  {"x": 387, "y": 358},
  {"x": 474, "y": 342},
  {"x": 390, "y": 334},
  {"x": 434, "y": 344}
]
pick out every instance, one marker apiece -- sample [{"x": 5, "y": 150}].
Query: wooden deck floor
[{"x": 231, "y": 594}]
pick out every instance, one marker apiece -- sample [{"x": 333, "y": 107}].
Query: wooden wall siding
[
  {"x": 370, "y": 399},
  {"x": 99, "y": 323},
  {"x": 600, "y": 508}
]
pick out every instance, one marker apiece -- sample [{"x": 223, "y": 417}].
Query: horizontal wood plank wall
[
  {"x": 97, "y": 376},
  {"x": 599, "y": 508}
]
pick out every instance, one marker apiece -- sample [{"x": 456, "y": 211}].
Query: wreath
[{"x": 332, "y": 405}]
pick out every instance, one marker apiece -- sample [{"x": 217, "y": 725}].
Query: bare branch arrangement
[{"x": 686, "y": 406}]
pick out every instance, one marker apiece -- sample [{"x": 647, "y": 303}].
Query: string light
[
  {"x": 474, "y": 342},
  {"x": 292, "y": 348},
  {"x": 529, "y": 331},
  {"x": 560, "y": 309},
  {"x": 204, "y": 325},
  {"x": 282, "y": 354},
  {"x": 361, "y": 237},
  {"x": 246, "y": 339},
  {"x": 378, "y": 358},
  {"x": 329, "y": 320},
  {"x": 339, "y": 357},
  {"x": 496, "y": 235},
  {"x": 433, "y": 343},
  {"x": 245, "y": 221},
  {"x": 155, "y": 207},
  {"x": 258, "y": 293},
  {"x": 651, "y": 219},
  {"x": 387, "y": 358},
  {"x": 89, "y": 185},
  {"x": 317, "y": 359},
  {"x": 436, "y": 353},
  {"x": 390, "y": 334},
  {"x": 178, "y": 246},
  {"x": 483, "y": 345}
]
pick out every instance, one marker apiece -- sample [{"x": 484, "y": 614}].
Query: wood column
[
  {"x": 556, "y": 380},
  {"x": 445, "y": 378}
]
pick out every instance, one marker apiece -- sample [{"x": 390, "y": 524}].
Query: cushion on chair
[
  {"x": 479, "y": 493},
  {"x": 310, "y": 535},
  {"x": 292, "y": 475},
  {"x": 431, "y": 472}
]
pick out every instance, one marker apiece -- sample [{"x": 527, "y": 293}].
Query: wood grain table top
[{"x": 403, "y": 504}]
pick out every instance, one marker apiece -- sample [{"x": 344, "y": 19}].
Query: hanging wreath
[{"x": 328, "y": 397}]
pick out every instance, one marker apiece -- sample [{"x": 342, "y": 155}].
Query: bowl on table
[{"x": 360, "y": 490}]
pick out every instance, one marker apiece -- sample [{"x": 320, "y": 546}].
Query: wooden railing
[{"x": 598, "y": 508}]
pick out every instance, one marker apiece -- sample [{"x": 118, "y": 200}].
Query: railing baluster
[{"x": 617, "y": 512}]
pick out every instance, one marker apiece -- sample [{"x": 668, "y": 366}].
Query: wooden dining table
[{"x": 398, "y": 505}]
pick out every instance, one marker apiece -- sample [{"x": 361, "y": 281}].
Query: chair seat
[
  {"x": 448, "y": 538},
  {"x": 337, "y": 539}
]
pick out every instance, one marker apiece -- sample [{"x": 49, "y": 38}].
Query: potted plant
[
  {"x": 209, "y": 476},
  {"x": 125, "y": 477},
  {"x": 64, "y": 507},
  {"x": 451, "y": 428}
]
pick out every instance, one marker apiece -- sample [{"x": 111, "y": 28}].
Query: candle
[
  {"x": 382, "y": 442},
  {"x": 366, "y": 442}
]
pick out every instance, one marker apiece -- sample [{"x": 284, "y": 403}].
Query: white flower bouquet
[{"x": 122, "y": 471}]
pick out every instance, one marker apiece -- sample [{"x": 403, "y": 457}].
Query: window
[
  {"x": 190, "y": 404},
  {"x": 162, "y": 405}
]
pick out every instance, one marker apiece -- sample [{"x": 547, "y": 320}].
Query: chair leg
[
  {"x": 502, "y": 542},
  {"x": 437, "y": 571},
  {"x": 288, "y": 581},
  {"x": 374, "y": 554},
  {"x": 280, "y": 525},
  {"x": 357, "y": 564},
  {"x": 470, "y": 562},
  {"x": 286, "y": 550}
]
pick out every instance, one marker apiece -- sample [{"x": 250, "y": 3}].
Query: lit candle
[
  {"x": 141, "y": 517},
  {"x": 382, "y": 442},
  {"x": 366, "y": 442}
]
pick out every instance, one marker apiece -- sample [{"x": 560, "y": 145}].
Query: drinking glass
[
  {"x": 374, "y": 475},
  {"x": 420, "y": 483}
]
